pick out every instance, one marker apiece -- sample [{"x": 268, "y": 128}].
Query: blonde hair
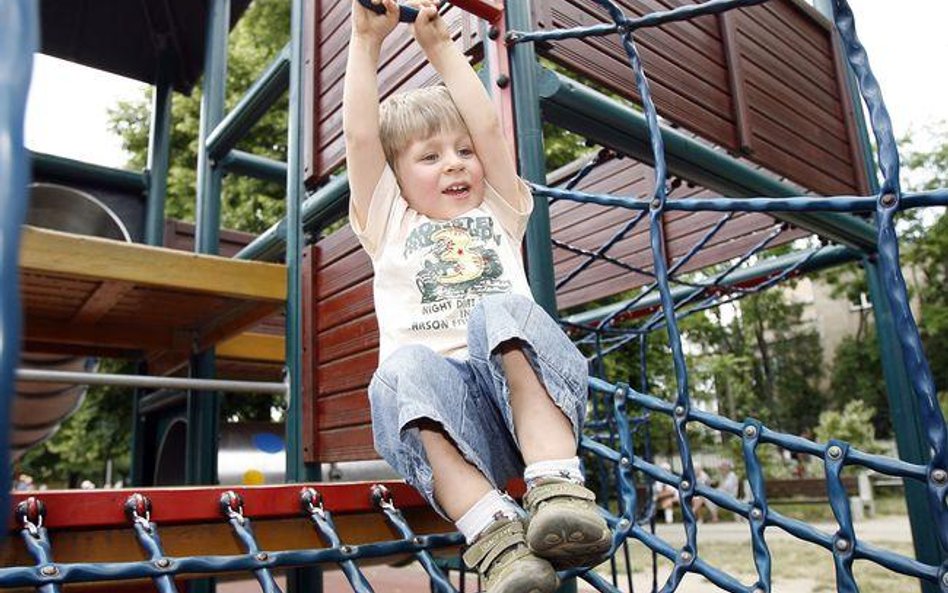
[{"x": 416, "y": 115}]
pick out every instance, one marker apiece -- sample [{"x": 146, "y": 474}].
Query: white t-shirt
[{"x": 430, "y": 273}]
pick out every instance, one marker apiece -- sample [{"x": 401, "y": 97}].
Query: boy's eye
[
  {"x": 466, "y": 152},
  {"x": 430, "y": 157}
]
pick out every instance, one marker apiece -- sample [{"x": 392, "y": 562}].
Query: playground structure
[{"x": 328, "y": 336}]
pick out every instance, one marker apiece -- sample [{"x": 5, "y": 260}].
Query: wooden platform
[{"x": 85, "y": 295}]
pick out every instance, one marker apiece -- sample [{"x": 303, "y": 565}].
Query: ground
[{"x": 799, "y": 567}]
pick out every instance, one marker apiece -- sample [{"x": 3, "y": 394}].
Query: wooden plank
[
  {"x": 253, "y": 346},
  {"x": 89, "y": 257},
  {"x": 101, "y": 301},
  {"x": 736, "y": 82},
  {"x": 123, "y": 336},
  {"x": 347, "y": 374},
  {"x": 352, "y": 443},
  {"x": 344, "y": 340},
  {"x": 343, "y": 409}
]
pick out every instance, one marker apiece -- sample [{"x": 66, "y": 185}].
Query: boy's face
[{"x": 441, "y": 176}]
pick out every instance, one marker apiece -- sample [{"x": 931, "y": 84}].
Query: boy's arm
[
  {"x": 472, "y": 101},
  {"x": 365, "y": 159}
]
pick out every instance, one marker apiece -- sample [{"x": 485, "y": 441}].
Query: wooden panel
[
  {"x": 92, "y": 296},
  {"x": 766, "y": 85}
]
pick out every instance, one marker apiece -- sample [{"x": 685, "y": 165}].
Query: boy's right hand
[{"x": 371, "y": 25}]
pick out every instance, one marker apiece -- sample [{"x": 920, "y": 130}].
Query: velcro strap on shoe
[
  {"x": 543, "y": 492},
  {"x": 489, "y": 546}
]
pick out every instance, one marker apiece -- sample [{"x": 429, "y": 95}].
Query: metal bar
[
  {"x": 61, "y": 169},
  {"x": 261, "y": 95},
  {"x": 20, "y": 26},
  {"x": 489, "y": 11},
  {"x": 910, "y": 438},
  {"x": 529, "y": 127},
  {"x": 585, "y": 111},
  {"x": 310, "y": 578},
  {"x": 329, "y": 201},
  {"x": 251, "y": 165},
  {"x": 829, "y": 257},
  {"x": 148, "y": 381},
  {"x": 202, "y": 408},
  {"x": 159, "y": 148}
]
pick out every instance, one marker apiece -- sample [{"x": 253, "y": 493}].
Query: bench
[{"x": 814, "y": 491}]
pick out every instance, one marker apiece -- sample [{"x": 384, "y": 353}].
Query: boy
[{"x": 476, "y": 384}]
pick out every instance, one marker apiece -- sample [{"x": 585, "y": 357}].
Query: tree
[{"x": 246, "y": 204}]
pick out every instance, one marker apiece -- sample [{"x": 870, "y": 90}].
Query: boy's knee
[{"x": 406, "y": 360}]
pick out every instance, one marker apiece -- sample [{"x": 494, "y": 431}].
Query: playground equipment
[{"x": 734, "y": 238}]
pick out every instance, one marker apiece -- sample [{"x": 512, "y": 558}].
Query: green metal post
[
  {"x": 159, "y": 149},
  {"x": 530, "y": 155},
  {"x": 531, "y": 158},
  {"x": 909, "y": 433},
  {"x": 308, "y": 579}
]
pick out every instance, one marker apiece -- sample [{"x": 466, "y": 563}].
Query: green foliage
[
  {"x": 852, "y": 425},
  {"x": 99, "y": 430},
  {"x": 857, "y": 374},
  {"x": 246, "y": 204}
]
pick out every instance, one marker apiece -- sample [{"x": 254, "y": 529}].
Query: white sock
[
  {"x": 561, "y": 469},
  {"x": 493, "y": 506}
]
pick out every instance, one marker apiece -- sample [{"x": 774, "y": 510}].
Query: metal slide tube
[{"x": 148, "y": 381}]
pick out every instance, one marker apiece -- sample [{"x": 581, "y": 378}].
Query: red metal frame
[
  {"x": 491, "y": 12},
  {"x": 105, "y": 509}
]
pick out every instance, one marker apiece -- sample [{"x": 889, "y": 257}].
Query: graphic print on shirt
[{"x": 458, "y": 266}]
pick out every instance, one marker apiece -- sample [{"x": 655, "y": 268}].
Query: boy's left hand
[{"x": 429, "y": 28}]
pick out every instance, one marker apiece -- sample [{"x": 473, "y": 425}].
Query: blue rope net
[{"x": 613, "y": 428}]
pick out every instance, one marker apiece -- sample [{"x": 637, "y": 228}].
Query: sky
[{"x": 68, "y": 104}]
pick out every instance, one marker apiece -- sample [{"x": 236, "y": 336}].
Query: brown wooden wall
[
  {"x": 589, "y": 226},
  {"x": 403, "y": 67},
  {"x": 762, "y": 81},
  {"x": 340, "y": 351}
]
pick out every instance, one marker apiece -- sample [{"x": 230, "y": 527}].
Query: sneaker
[
  {"x": 501, "y": 555},
  {"x": 565, "y": 526}
]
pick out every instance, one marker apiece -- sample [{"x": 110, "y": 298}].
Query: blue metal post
[{"x": 18, "y": 21}]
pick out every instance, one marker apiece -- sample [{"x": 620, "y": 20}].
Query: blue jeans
[{"x": 470, "y": 398}]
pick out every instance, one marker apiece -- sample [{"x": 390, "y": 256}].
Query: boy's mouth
[{"x": 457, "y": 190}]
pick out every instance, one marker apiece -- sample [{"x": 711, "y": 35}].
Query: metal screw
[
  {"x": 685, "y": 484},
  {"x": 624, "y": 462},
  {"x": 623, "y": 524},
  {"x": 263, "y": 556},
  {"x": 416, "y": 540},
  {"x": 656, "y": 204},
  {"x": 944, "y": 579},
  {"x": 888, "y": 200},
  {"x": 49, "y": 571},
  {"x": 750, "y": 431},
  {"x": 162, "y": 563},
  {"x": 939, "y": 476},
  {"x": 685, "y": 556},
  {"x": 493, "y": 32},
  {"x": 756, "y": 514},
  {"x": 842, "y": 545},
  {"x": 834, "y": 452},
  {"x": 346, "y": 550},
  {"x": 679, "y": 410},
  {"x": 503, "y": 80}
]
